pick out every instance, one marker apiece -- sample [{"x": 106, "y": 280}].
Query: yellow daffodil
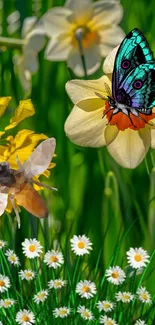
[
  {"x": 95, "y": 25},
  {"x": 90, "y": 124},
  {"x": 34, "y": 40}
]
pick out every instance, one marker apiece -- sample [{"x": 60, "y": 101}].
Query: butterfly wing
[
  {"x": 133, "y": 51},
  {"x": 40, "y": 159},
  {"x": 139, "y": 88}
]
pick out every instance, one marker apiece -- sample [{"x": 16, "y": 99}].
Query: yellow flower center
[
  {"x": 109, "y": 322},
  {"x": 41, "y": 295},
  {"x": 13, "y": 258},
  {"x": 106, "y": 306},
  {"x": 144, "y": 296},
  {"x": 81, "y": 244},
  {"x": 7, "y": 303},
  {"x": 85, "y": 36},
  {"x": 138, "y": 258},
  {"x": 2, "y": 283},
  {"x": 86, "y": 314},
  {"x": 25, "y": 318},
  {"x": 53, "y": 259},
  {"x": 63, "y": 312},
  {"x": 115, "y": 275},
  {"x": 57, "y": 283},
  {"x": 28, "y": 274},
  {"x": 32, "y": 248},
  {"x": 86, "y": 289},
  {"x": 126, "y": 297}
]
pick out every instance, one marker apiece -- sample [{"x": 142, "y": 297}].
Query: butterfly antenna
[{"x": 131, "y": 121}]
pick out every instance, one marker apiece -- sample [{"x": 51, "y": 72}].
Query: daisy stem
[{"x": 11, "y": 42}]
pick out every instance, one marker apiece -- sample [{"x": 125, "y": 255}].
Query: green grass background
[{"x": 95, "y": 195}]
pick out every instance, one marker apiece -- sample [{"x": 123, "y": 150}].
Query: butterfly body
[{"x": 133, "y": 79}]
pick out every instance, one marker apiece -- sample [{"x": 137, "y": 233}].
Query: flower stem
[
  {"x": 11, "y": 42},
  {"x": 79, "y": 38}
]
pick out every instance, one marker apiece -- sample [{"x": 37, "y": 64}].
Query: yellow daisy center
[
  {"x": 115, "y": 275},
  {"x": 86, "y": 289},
  {"x": 109, "y": 322},
  {"x": 7, "y": 303},
  {"x": 57, "y": 283},
  {"x": 28, "y": 274},
  {"x": 81, "y": 244},
  {"x": 25, "y": 318},
  {"x": 2, "y": 283},
  {"x": 106, "y": 305},
  {"x": 86, "y": 314},
  {"x": 41, "y": 295},
  {"x": 63, "y": 312},
  {"x": 126, "y": 297},
  {"x": 32, "y": 248},
  {"x": 138, "y": 257},
  {"x": 53, "y": 259},
  {"x": 13, "y": 258},
  {"x": 145, "y": 296}
]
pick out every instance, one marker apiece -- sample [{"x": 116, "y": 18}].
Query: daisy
[
  {"x": 124, "y": 296},
  {"x": 4, "y": 283},
  {"x": 80, "y": 245},
  {"x": 57, "y": 283},
  {"x": 115, "y": 275},
  {"x": 144, "y": 296},
  {"x": 140, "y": 322},
  {"x": 12, "y": 257},
  {"x": 31, "y": 248},
  {"x": 137, "y": 257},
  {"x": 25, "y": 317},
  {"x": 27, "y": 275},
  {"x": 107, "y": 320},
  {"x": 2, "y": 243},
  {"x": 85, "y": 313},
  {"x": 86, "y": 127},
  {"x": 94, "y": 25},
  {"x": 105, "y": 305},
  {"x": 61, "y": 312},
  {"x": 54, "y": 258},
  {"x": 40, "y": 296},
  {"x": 6, "y": 303},
  {"x": 86, "y": 289}
]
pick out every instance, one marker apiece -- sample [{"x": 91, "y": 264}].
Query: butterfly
[
  {"x": 133, "y": 79},
  {"x": 16, "y": 184}
]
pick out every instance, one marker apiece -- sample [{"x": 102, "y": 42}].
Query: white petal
[
  {"x": 76, "y": 5},
  {"x": 30, "y": 61},
  {"x": 35, "y": 40},
  {"x": 129, "y": 147},
  {"x": 56, "y": 21},
  {"x": 107, "y": 13},
  {"x": 79, "y": 90},
  {"x": 3, "y": 202},
  {"x": 27, "y": 25},
  {"x": 109, "y": 38},
  {"x": 108, "y": 65},
  {"x": 58, "y": 49},
  {"x": 92, "y": 59},
  {"x": 24, "y": 75},
  {"x": 86, "y": 128}
]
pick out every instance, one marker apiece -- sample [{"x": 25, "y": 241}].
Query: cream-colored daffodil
[
  {"x": 94, "y": 24},
  {"x": 34, "y": 40},
  {"x": 90, "y": 124}
]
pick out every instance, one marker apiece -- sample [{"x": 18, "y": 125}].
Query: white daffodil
[
  {"x": 92, "y": 26},
  {"x": 86, "y": 126},
  {"x": 31, "y": 248},
  {"x": 137, "y": 257},
  {"x": 33, "y": 40},
  {"x": 80, "y": 245}
]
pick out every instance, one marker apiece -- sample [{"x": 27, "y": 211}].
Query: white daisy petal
[
  {"x": 124, "y": 297},
  {"x": 25, "y": 317},
  {"x": 54, "y": 259},
  {"x": 80, "y": 245},
  {"x": 115, "y": 275},
  {"x": 41, "y": 296},
  {"x": 107, "y": 320},
  {"x": 144, "y": 296},
  {"x": 57, "y": 283},
  {"x": 4, "y": 283},
  {"x": 85, "y": 313},
  {"x": 137, "y": 257},
  {"x": 31, "y": 248},
  {"x": 61, "y": 312},
  {"x": 86, "y": 289},
  {"x": 12, "y": 257},
  {"x": 105, "y": 305}
]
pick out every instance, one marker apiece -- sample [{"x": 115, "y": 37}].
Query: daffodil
[
  {"x": 33, "y": 42},
  {"x": 83, "y": 27},
  {"x": 89, "y": 123}
]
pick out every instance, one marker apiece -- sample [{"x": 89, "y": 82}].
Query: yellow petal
[
  {"x": 24, "y": 110},
  {"x": 4, "y": 101},
  {"x": 86, "y": 128},
  {"x": 79, "y": 90},
  {"x": 129, "y": 147}
]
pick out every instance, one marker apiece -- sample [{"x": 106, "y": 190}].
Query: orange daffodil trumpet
[
  {"x": 20, "y": 164},
  {"x": 90, "y": 123},
  {"x": 82, "y": 24}
]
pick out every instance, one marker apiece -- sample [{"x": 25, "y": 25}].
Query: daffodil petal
[
  {"x": 24, "y": 110},
  {"x": 56, "y": 21},
  {"x": 4, "y": 101},
  {"x": 86, "y": 128},
  {"x": 77, "y": 5},
  {"x": 109, "y": 38},
  {"x": 79, "y": 90},
  {"x": 92, "y": 60},
  {"x": 35, "y": 40},
  {"x": 109, "y": 61},
  {"x": 129, "y": 147},
  {"x": 27, "y": 25},
  {"x": 30, "y": 61},
  {"x": 152, "y": 135},
  {"x": 58, "y": 49},
  {"x": 24, "y": 75},
  {"x": 107, "y": 13}
]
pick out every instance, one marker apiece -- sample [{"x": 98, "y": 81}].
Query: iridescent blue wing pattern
[
  {"x": 133, "y": 51},
  {"x": 139, "y": 88}
]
